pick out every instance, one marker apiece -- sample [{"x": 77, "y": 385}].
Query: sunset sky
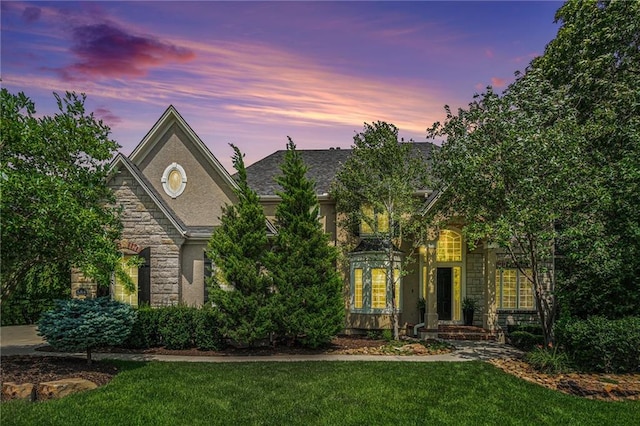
[{"x": 252, "y": 73}]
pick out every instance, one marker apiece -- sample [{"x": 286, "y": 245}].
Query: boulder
[
  {"x": 12, "y": 390},
  {"x": 61, "y": 388}
]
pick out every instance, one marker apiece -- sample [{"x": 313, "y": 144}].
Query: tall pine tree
[
  {"x": 308, "y": 308},
  {"x": 240, "y": 286}
]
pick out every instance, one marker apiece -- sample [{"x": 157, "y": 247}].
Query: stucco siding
[{"x": 205, "y": 193}]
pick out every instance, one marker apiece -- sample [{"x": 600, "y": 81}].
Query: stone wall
[
  {"x": 145, "y": 225},
  {"x": 475, "y": 283},
  {"x": 81, "y": 286}
]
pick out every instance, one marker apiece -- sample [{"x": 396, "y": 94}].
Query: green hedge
[
  {"x": 526, "y": 341},
  {"x": 176, "y": 327},
  {"x": 601, "y": 344}
]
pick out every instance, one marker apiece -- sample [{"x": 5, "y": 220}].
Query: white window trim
[{"x": 165, "y": 180}]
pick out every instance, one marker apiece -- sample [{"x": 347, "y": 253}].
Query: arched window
[{"x": 449, "y": 248}]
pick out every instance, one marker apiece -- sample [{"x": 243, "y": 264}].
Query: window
[
  {"x": 379, "y": 219},
  {"x": 174, "y": 180},
  {"x": 449, "y": 248},
  {"x": 370, "y": 291},
  {"x": 378, "y": 288},
  {"x": 358, "y": 285},
  {"x": 120, "y": 293},
  {"x": 514, "y": 290}
]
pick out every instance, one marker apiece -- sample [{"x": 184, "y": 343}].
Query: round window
[{"x": 174, "y": 180}]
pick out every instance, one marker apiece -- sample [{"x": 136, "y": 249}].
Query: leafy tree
[
  {"x": 308, "y": 303},
  {"x": 240, "y": 286},
  {"x": 54, "y": 204},
  {"x": 595, "y": 62},
  {"x": 378, "y": 183},
  {"x": 509, "y": 167},
  {"x": 83, "y": 325}
]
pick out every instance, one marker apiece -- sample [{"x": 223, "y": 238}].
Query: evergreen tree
[
  {"x": 308, "y": 305},
  {"x": 240, "y": 286}
]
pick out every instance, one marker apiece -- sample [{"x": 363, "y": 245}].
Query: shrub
[
  {"x": 525, "y": 341},
  {"x": 177, "y": 326},
  {"x": 534, "y": 329},
  {"x": 601, "y": 344},
  {"x": 550, "y": 361},
  {"x": 207, "y": 330},
  {"x": 387, "y": 335},
  {"x": 145, "y": 332},
  {"x": 74, "y": 325}
]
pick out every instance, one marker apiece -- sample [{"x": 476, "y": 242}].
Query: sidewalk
[{"x": 23, "y": 340}]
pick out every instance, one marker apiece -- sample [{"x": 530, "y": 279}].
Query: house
[{"x": 172, "y": 190}]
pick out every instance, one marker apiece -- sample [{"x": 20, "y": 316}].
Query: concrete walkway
[{"x": 23, "y": 340}]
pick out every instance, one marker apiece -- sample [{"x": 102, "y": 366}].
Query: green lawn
[{"x": 339, "y": 393}]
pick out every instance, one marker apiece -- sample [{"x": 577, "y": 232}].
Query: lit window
[
  {"x": 174, "y": 180},
  {"x": 120, "y": 292},
  {"x": 378, "y": 288},
  {"x": 514, "y": 290},
  {"x": 449, "y": 248},
  {"x": 369, "y": 288},
  {"x": 357, "y": 277},
  {"x": 379, "y": 219}
]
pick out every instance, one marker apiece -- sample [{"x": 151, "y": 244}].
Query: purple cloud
[
  {"x": 103, "y": 50},
  {"x": 31, "y": 14},
  {"x": 106, "y": 115}
]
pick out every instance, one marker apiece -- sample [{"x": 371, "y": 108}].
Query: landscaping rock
[
  {"x": 12, "y": 390},
  {"x": 62, "y": 388}
]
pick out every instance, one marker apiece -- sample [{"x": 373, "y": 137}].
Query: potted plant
[
  {"x": 469, "y": 305},
  {"x": 422, "y": 308}
]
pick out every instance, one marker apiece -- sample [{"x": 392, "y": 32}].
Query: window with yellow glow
[
  {"x": 357, "y": 277},
  {"x": 378, "y": 288},
  {"x": 526, "y": 292},
  {"x": 457, "y": 292},
  {"x": 379, "y": 219},
  {"x": 120, "y": 292},
  {"x": 449, "y": 247},
  {"x": 514, "y": 290}
]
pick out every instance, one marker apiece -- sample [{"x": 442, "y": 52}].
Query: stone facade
[{"x": 145, "y": 225}]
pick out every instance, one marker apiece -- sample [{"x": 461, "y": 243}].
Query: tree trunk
[{"x": 88, "y": 356}]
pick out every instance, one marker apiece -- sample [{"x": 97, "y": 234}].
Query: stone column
[{"x": 490, "y": 317}]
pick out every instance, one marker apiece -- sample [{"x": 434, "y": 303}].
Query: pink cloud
[
  {"x": 498, "y": 82},
  {"x": 103, "y": 50},
  {"x": 488, "y": 53}
]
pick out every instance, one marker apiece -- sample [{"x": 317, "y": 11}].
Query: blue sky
[{"x": 253, "y": 73}]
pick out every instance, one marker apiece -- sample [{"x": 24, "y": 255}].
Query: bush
[
  {"x": 601, "y": 344},
  {"x": 177, "y": 326},
  {"x": 75, "y": 325},
  {"x": 551, "y": 361},
  {"x": 145, "y": 332},
  {"x": 525, "y": 341},
  {"x": 535, "y": 329},
  {"x": 207, "y": 333}
]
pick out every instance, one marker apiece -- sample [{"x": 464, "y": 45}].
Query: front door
[{"x": 444, "y": 280}]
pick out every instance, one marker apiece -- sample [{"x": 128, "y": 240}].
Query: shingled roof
[{"x": 323, "y": 165}]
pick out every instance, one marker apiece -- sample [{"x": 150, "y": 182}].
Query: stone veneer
[
  {"x": 146, "y": 225},
  {"x": 475, "y": 283}
]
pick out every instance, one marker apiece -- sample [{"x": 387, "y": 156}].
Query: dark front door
[
  {"x": 444, "y": 276},
  {"x": 144, "y": 277}
]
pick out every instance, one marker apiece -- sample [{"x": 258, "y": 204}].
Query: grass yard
[{"x": 332, "y": 393}]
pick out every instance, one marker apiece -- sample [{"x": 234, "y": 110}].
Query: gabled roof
[
  {"x": 170, "y": 117},
  {"x": 324, "y": 165}
]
